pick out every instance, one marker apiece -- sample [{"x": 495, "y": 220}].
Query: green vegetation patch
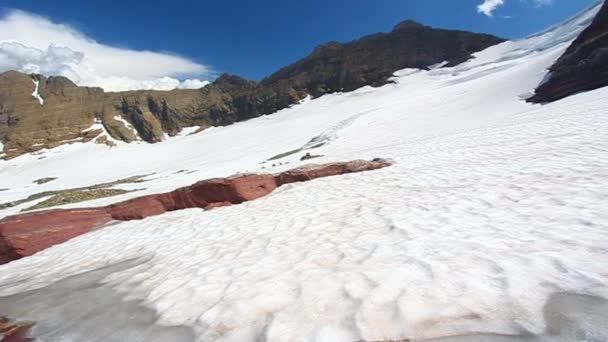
[{"x": 68, "y": 196}]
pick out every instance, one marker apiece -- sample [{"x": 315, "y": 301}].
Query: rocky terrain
[
  {"x": 14, "y": 331},
  {"x": 26, "y": 234},
  {"x": 584, "y": 65},
  {"x": 39, "y": 112}
]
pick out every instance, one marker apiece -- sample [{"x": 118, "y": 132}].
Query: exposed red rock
[
  {"x": 25, "y": 234},
  {"x": 313, "y": 171},
  {"x": 14, "y": 331}
]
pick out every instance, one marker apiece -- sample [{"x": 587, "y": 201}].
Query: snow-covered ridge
[{"x": 492, "y": 207}]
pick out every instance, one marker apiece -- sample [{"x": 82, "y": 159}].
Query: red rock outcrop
[
  {"x": 26, "y": 234},
  {"x": 15, "y": 331}
]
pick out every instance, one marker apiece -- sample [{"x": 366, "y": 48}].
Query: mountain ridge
[
  {"x": 584, "y": 65},
  {"x": 71, "y": 113}
]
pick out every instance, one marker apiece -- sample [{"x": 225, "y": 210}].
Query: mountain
[
  {"x": 584, "y": 65},
  {"x": 68, "y": 113}
]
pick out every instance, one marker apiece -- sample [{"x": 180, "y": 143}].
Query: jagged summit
[{"x": 408, "y": 25}]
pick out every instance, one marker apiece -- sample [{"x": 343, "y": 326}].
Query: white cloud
[
  {"x": 33, "y": 44},
  {"x": 489, "y": 6},
  {"x": 192, "y": 84}
]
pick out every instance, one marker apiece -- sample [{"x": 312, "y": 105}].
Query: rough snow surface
[
  {"x": 493, "y": 207},
  {"x": 36, "y": 94}
]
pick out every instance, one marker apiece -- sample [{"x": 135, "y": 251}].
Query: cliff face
[
  {"x": 64, "y": 112},
  {"x": 26, "y": 124},
  {"x": 373, "y": 59},
  {"x": 584, "y": 65}
]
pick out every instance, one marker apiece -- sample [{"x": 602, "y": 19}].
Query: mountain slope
[
  {"x": 68, "y": 113},
  {"x": 372, "y": 60},
  {"x": 584, "y": 65}
]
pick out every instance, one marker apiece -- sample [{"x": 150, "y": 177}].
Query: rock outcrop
[
  {"x": 67, "y": 111},
  {"x": 15, "y": 331},
  {"x": 584, "y": 65},
  {"x": 25, "y": 234}
]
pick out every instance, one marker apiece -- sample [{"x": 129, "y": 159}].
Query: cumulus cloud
[
  {"x": 34, "y": 44},
  {"x": 192, "y": 84},
  {"x": 489, "y": 6}
]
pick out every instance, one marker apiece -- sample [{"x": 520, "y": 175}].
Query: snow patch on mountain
[{"x": 36, "y": 93}]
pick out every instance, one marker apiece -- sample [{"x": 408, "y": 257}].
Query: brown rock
[
  {"x": 313, "y": 171},
  {"x": 15, "y": 331},
  {"x": 44, "y": 180},
  {"x": 26, "y": 234},
  {"x": 309, "y": 156}
]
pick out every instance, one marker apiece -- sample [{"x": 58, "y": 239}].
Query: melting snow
[
  {"x": 98, "y": 125},
  {"x": 36, "y": 94},
  {"x": 492, "y": 207},
  {"x": 126, "y": 123}
]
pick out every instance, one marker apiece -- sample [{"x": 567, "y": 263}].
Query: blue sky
[{"x": 254, "y": 38}]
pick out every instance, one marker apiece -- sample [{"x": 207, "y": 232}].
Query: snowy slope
[{"x": 492, "y": 206}]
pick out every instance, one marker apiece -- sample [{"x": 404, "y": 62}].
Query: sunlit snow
[
  {"x": 493, "y": 206},
  {"x": 36, "y": 93}
]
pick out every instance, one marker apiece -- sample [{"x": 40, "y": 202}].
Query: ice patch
[
  {"x": 36, "y": 94},
  {"x": 82, "y": 306},
  {"x": 331, "y": 134},
  {"x": 568, "y": 318}
]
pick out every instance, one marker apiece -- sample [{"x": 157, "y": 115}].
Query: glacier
[{"x": 490, "y": 226}]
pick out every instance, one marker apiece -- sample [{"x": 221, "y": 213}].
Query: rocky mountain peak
[
  {"x": 230, "y": 81},
  {"x": 409, "y": 25}
]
